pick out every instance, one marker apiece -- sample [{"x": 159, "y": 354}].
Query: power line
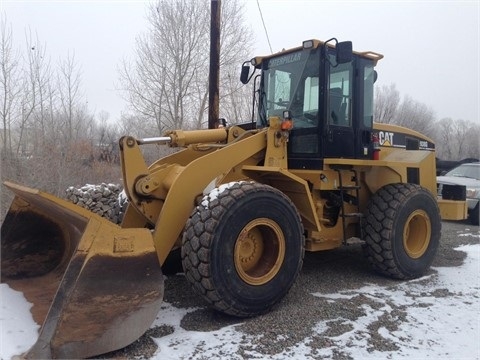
[{"x": 263, "y": 22}]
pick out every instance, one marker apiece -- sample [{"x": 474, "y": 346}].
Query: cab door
[{"x": 339, "y": 135}]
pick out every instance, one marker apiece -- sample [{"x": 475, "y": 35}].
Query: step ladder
[{"x": 346, "y": 197}]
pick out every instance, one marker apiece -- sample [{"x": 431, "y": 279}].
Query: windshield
[
  {"x": 291, "y": 82},
  {"x": 466, "y": 170}
]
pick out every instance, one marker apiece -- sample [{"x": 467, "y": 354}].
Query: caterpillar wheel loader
[{"x": 309, "y": 172}]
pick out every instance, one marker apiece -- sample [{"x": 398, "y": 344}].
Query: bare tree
[
  {"x": 168, "y": 82},
  {"x": 416, "y": 116},
  {"x": 407, "y": 112},
  {"x": 461, "y": 138},
  {"x": 457, "y": 139},
  {"x": 168, "y": 59},
  {"x": 41, "y": 75},
  {"x": 9, "y": 85},
  {"x": 27, "y": 140},
  {"x": 73, "y": 106},
  {"x": 136, "y": 126},
  {"x": 387, "y": 100},
  {"x": 9, "y": 91},
  {"x": 236, "y": 42},
  {"x": 235, "y": 97},
  {"x": 445, "y": 139},
  {"x": 473, "y": 141},
  {"x": 48, "y": 135},
  {"x": 69, "y": 84}
]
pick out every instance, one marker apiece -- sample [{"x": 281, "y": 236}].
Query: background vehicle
[
  {"x": 467, "y": 175},
  {"x": 311, "y": 172},
  {"x": 444, "y": 166}
]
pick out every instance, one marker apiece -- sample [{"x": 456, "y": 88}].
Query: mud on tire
[
  {"x": 243, "y": 248},
  {"x": 402, "y": 230}
]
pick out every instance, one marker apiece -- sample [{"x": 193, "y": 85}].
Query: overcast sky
[{"x": 431, "y": 48}]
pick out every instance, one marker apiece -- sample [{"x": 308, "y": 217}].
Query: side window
[
  {"x": 310, "y": 102},
  {"x": 340, "y": 95},
  {"x": 368, "y": 80}
]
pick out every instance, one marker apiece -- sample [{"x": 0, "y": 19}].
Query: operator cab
[{"x": 328, "y": 90}]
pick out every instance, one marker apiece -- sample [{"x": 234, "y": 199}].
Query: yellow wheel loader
[{"x": 309, "y": 172}]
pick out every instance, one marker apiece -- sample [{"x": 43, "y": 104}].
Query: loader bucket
[{"x": 95, "y": 287}]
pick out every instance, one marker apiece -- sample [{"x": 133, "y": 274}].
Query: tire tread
[
  {"x": 200, "y": 229},
  {"x": 379, "y": 227}
]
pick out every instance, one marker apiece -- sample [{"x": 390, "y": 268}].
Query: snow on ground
[
  {"x": 18, "y": 331},
  {"x": 434, "y": 326}
]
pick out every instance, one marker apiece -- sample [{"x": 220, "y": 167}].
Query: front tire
[
  {"x": 243, "y": 248},
  {"x": 402, "y": 230}
]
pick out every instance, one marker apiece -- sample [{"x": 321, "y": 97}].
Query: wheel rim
[
  {"x": 417, "y": 233},
  {"x": 259, "y": 251}
]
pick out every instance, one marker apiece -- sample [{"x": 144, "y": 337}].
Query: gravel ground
[{"x": 292, "y": 320}]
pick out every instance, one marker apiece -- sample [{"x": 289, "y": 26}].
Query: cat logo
[{"x": 385, "y": 138}]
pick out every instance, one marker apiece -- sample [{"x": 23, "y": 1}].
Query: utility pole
[{"x": 214, "y": 78}]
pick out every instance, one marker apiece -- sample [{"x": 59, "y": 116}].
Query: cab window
[
  {"x": 310, "y": 101},
  {"x": 368, "y": 80},
  {"x": 340, "y": 94},
  {"x": 291, "y": 82}
]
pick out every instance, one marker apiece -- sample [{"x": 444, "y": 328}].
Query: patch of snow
[
  {"x": 18, "y": 331},
  {"x": 435, "y": 326},
  {"x": 181, "y": 344},
  {"x": 214, "y": 193}
]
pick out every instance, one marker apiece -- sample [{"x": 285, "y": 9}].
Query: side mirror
[
  {"x": 245, "y": 72},
  {"x": 344, "y": 52}
]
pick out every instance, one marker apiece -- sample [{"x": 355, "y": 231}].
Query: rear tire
[
  {"x": 402, "y": 230},
  {"x": 243, "y": 248},
  {"x": 475, "y": 215}
]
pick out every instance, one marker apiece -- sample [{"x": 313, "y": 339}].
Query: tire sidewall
[{"x": 257, "y": 204}]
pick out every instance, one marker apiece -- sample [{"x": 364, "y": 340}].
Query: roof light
[{"x": 308, "y": 44}]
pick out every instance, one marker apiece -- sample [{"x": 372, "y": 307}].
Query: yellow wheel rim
[
  {"x": 417, "y": 233},
  {"x": 259, "y": 251}
]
